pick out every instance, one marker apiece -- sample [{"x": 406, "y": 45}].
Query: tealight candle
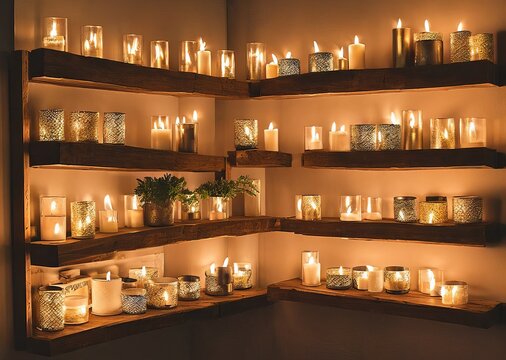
[
  {"x": 52, "y": 125},
  {"x": 188, "y": 56},
  {"x": 460, "y": 49},
  {"x": 255, "y": 60},
  {"x": 289, "y": 65},
  {"x": 272, "y": 68},
  {"x": 356, "y": 53},
  {"x": 271, "y": 138},
  {"x": 442, "y": 133},
  {"x": 350, "y": 209},
  {"x": 55, "y": 34},
  {"x": 338, "y": 139},
  {"x": 219, "y": 280},
  {"x": 245, "y": 134},
  {"x": 428, "y": 47},
  {"x": 372, "y": 207},
  {"x": 134, "y": 213},
  {"x": 91, "y": 41},
  {"x": 389, "y": 135},
  {"x": 313, "y": 139},
  {"x": 405, "y": 209},
  {"x": 53, "y": 218},
  {"x": 108, "y": 218},
  {"x": 319, "y": 60},
  {"x": 402, "y": 46},
  {"x": 83, "y": 126},
  {"x": 242, "y": 276},
  {"x": 114, "y": 128},
  {"x": 338, "y": 278},
  {"x": 311, "y": 207},
  {"x": 162, "y": 293},
  {"x": 203, "y": 59},
  {"x": 219, "y": 208},
  {"x": 186, "y": 134},
  {"x": 429, "y": 281},
  {"x": 341, "y": 61},
  {"x": 482, "y": 47},
  {"x": 363, "y": 137},
  {"x": 454, "y": 293},
  {"x": 298, "y": 207},
  {"x": 132, "y": 49},
  {"x": 106, "y": 295},
  {"x": 467, "y": 209},
  {"x": 375, "y": 279},
  {"x": 252, "y": 204},
  {"x": 76, "y": 309},
  {"x": 360, "y": 277},
  {"x": 397, "y": 280},
  {"x": 160, "y": 54},
  {"x": 161, "y": 132},
  {"x": 310, "y": 268},
  {"x": 473, "y": 132},
  {"x": 226, "y": 64},
  {"x": 143, "y": 275},
  {"x": 433, "y": 212},
  {"x": 412, "y": 130},
  {"x": 82, "y": 219}
]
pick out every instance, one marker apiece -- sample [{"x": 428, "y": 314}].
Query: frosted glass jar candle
[
  {"x": 363, "y": 137},
  {"x": 467, "y": 209},
  {"x": 114, "y": 128},
  {"x": 252, "y": 204},
  {"x": 412, "y": 130},
  {"x": 188, "y": 56},
  {"x": 219, "y": 208},
  {"x": 219, "y": 281},
  {"x": 311, "y": 268},
  {"x": 350, "y": 208},
  {"x": 255, "y": 59},
  {"x": 429, "y": 281},
  {"x": 51, "y": 308},
  {"x": 160, "y": 54},
  {"x": 54, "y": 34},
  {"x": 83, "y": 126},
  {"x": 433, "y": 212},
  {"x": 473, "y": 132},
  {"x": 360, "y": 277},
  {"x": 132, "y": 49},
  {"x": 338, "y": 278},
  {"x": 460, "y": 47},
  {"x": 311, "y": 207},
  {"x": 289, "y": 65},
  {"x": 405, "y": 209},
  {"x": 53, "y": 218},
  {"x": 91, "y": 41},
  {"x": 313, "y": 138},
  {"x": 375, "y": 279},
  {"x": 143, "y": 275},
  {"x": 108, "y": 218},
  {"x": 162, "y": 293},
  {"x": 133, "y": 301},
  {"x": 442, "y": 133},
  {"x": 134, "y": 213},
  {"x": 189, "y": 287},
  {"x": 76, "y": 310},
  {"x": 428, "y": 47},
  {"x": 320, "y": 60},
  {"x": 226, "y": 64},
  {"x": 245, "y": 134},
  {"x": 186, "y": 135},
  {"x": 82, "y": 219},
  {"x": 371, "y": 208},
  {"x": 388, "y": 137},
  {"x": 402, "y": 46},
  {"x": 161, "y": 132},
  {"x": 52, "y": 125},
  {"x": 397, "y": 280},
  {"x": 482, "y": 47},
  {"x": 338, "y": 139},
  {"x": 454, "y": 293},
  {"x": 298, "y": 207},
  {"x": 242, "y": 276},
  {"x": 106, "y": 295}
]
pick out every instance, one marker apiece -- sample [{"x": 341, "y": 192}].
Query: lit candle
[
  {"x": 313, "y": 138},
  {"x": 311, "y": 271},
  {"x": 289, "y": 65},
  {"x": 338, "y": 140},
  {"x": 108, "y": 218},
  {"x": 256, "y": 60},
  {"x": 460, "y": 49},
  {"x": 412, "y": 130},
  {"x": 143, "y": 275},
  {"x": 356, "y": 53},
  {"x": 242, "y": 276},
  {"x": 188, "y": 56},
  {"x": 106, "y": 295},
  {"x": 482, "y": 47},
  {"x": 132, "y": 49},
  {"x": 442, "y": 133},
  {"x": 389, "y": 135},
  {"x": 429, "y": 281},
  {"x": 375, "y": 279},
  {"x": 363, "y": 281},
  {"x": 271, "y": 138},
  {"x": 373, "y": 208},
  {"x": 454, "y": 293},
  {"x": 76, "y": 309},
  {"x": 226, "y": 64},
  {"x": 272, "y": 68},
  {"x": 82, "y": 219},
  {"x": 218, "y": 212},
  {"x": 473, "y": 132},
  {"x": 341, "y": 61},
  {"x": 203, "y": 59},
  {"x": 91, "y": 41},
  {"x": 350, "y": 208},
  {"x": 186, "y": 139},
  {"x": 55, "y": 34},
  {"x": 428, "y": 47},
  {"x": 160, "y": 54},
  {"x": 397, "y": 280},
  {"x": 402, "y": 46},
  {"x": 298, "y": 207},
  {"x": 161, "y": 133},
  {"x": 320, "y": 60},
  {"x": 53, "y": 218},
  {"x": 135, "y": 215}
]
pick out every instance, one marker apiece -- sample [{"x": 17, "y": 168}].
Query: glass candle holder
[
  {"x": 460, "y": 49},
  {"x": 428, "y": 48},
  {"x": 128, "y": 283},
  {"x": 467, "y": 209},
  {"x": 133, "y": 301},
  {"x": 442, "y": 133},
  {"x": 160, "y": 54},
  {"x": 255, "y": 60},
  {"x": 311, "y": 268},
  {"x": 351, "y": 208},
  {"x": 313, "y": 138},
  {"x": 161, "y": 132},
  {"x": 143, "y": 275},
  {"x": 338, "y": 138},
  {"x": 76, "y": 309},
  {"x": 388, "y": 137},
  {"x": 83, "y": 126},
  {"x": 397, "y": 280},
  {"x": 132, "y": 49},
  {"x": 473, "y": 132},
  {"x": 226, "y": 64},
  {"x": 106, "y": 295},
  {"x": 162, "y": 293},
  {"x": 82, "y": 219},
  {"x": 320, "y": 61},
  {"x": 91, "y": 41},
  {"x": 219, "y": 208},
  {"x": 363, "y": 137},
  {"x": 190, "y": 211},
  {"x": 371, "y": 208},
  {"x": 188, "y": 56},
  {"x": 189, "y": 287},
  {"x": 298, "y": 207},
  {"x": 376, "y": 279},
  {"x": 429, "y": 281},
  {"x": 245, "y": 134},
  {"x": 338, "y": 278},
  {"x": 203, "y": 59},
  {"x": 186, "y": 136},
  {"x": 51, "y": 308},
  {"x": 134, "y": 213},
  {"x": 433, "y": 212},
  {"x": 242, "y": 276},
  {"x": 412, "y": 130},
  {"x": 53, "y": 218},
  {"x": 220, "y": 282},
  {"x": 454, "y": 293},
  {"x": 54, "y": 33},
  {"x": 402, "y": 46},
  {"x": 311, "y": 207},
  {"x": 52, "y": 125},
  {"x": 405, "y": 209},
  {"x": 289, "y": 66},
  {"x": 482, "y": 47},
  {"x": 360, "y": 277},
  {"x": 114, "y": 128}
]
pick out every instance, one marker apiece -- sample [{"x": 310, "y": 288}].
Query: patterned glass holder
[
  {"x": 313, "y": 138},
  {"x": 143, "y": 275},
  {"x": 311, "y": 207},
  {"x": 473, "y": 132},
  {"x": 83, "y": 126},
  {"x": 255, "y": 57},
  {"x": 298, "y": 207},
  {"x": 388, "y": 137},
  {"x": 460, "y": 46},
  {"x": 54, "y": 34},
  {"x": 52, "y": 125},
  {"x": 189, "y": 287},
  {"x": 226, "y": 64},
  {"x": 133, "y": 301},
  {"x": 433, "y": 212},
  {"x": 188, "y": 56},
  {"x": 51, "y": 308},
  {"x": 82, "y": 219},
  {"x": 442, "y": 133},
  {"x": 467, "y": 209},
  {"x": 245, "y": 134},
  {"x": 405, "y": 209},
  {"x": 363, "y": 137},
  {"x": 412, "y": 130},
  {"x": 360, "y": 277},
  {"x": 351, "y": 208},
  {"x": 339, "y": 278},
  {"x": 454, "y": 293},
  {"x": 320, "y": 61},
  {"x": 221, "y": 282},
  {"x": 91, "y": 41},
  {"x": 114, "y": 128},
  {"x": 242, "y": 276},
  {"x": 219, "y": 208},
  {"x": 53, "y": 218},
  {"x": 310, "y": 266},
  {"x": 371, "y": 208},
  {"x": 76, "y": 310},
  {"x": 429, "y": 281},
  {"x": 132, "y": 49},
  {"x": 289, "y": 66},
  {"x": 482, "y": 47},
  {"x": 397, "y": 280},
  {"x": 162, "y": 293},
  {"x": 160, "y": 54}
]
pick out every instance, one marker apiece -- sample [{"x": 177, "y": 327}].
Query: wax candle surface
[
  {"x": 356, "y": 53},
  {"x": 203, "y": 59},
  {"x": 338, "y": 139},
  {"x": 108, "y": 218},
  {"x": 271, "y": 138},
  {"x": 106, "y": 295},
  {"x": 375, "y": 283},
  {"x": 272, "y": 68},
  {"x": 53, "y": 228},
  {"x": 313, "y": 138},
  {"x": 161, "y": 133},
  {"x": 311, "y": 272}
]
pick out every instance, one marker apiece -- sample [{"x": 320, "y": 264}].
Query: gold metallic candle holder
[
  {"x": 162, "y": 293},
  {"x": 473, "y": 132},
  {"x": 91, "y": 41},
  {"x": 158, "y": 215},
  {"x": 429, "y": 281},
  {"x": 428, "y": 48},
  {"x": 482, "y": 47},
  {"x": 160, "y": 54},
  {"x": 338, "y": 278},
  {"x": 132, "y": 49},
  {"x": 255, "y": 57},
  {"x": 143, "y": 274},
  {"x": 54, "y": 33},
  {"x": 454, "y": 293},
  {"x": 82, "y": 219},
  {"x": 412, "y": 130},
  {"x": 350, "y": 208},
  {"x": 76, "y": 309},
  {"x": 221, "y": 282},
  {"x": 388, "y": 137},
  {"x": 114, "y": 128},
  {"x": 226, "y": 64},
  {"x": 405, "y": 209},
  {"x": 311, "y": 207},
  {"x": 189, "y": 287},
  {"x": 51, "y": 308},
  {"x": 52, "y": 125},
  {"x": 433, "y": 212},
  {"x": 460, "y": 48},
  {"x": 442, "y": 133},
  {"x": 289, "y": 66},
  {"x": 83, "y": 126},
  {"x": 245, "y": 134},
  {"x": 467, "y": 209},
  {"x": 363, "y": 137},
  {"x": 321, "y": 61},
  {"x": 219, "y": 208},
  {"x": 133, "y": 301},
  {"x": 242, "y": 276},
  {"x": 402, "y": 47},
  {"x": 310, "y": 266},
  {"x": 397, "y": 280}
]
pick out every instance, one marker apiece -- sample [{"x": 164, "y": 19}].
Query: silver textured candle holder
[
  {"x": 114, "y": 128},
  {"x": 389, "y": 137},
  {"x": 289, "y": 66},
  {"x": 363, "y": 137},
  {"x": 162, "y": 293},
  {"x": 245, "y": 134},
  {"x": 52, "y": 125},
  {"x": 339, "y": 278},
  {"x": 133, "y": 301},
  {"x": 321, "y": 61},
  {"x": 482, "y": 47},
  {"x": 460, "y": 46},
  {"x": 82, "y": 219},
  {"x": 83, "y": 126},
  {"x": 189, "y": 287},
  {"x": 397, "y": 280},
  {"x": 51, "y": 308},
  {"x": 467, "y": 209},
  {"x": 405, "y": 209}
]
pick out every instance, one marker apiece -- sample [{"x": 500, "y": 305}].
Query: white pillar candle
[
  {"x": 313, "y": 138},
  {"x": 53, "y": 218},
  {"x": 356, "y": 53},
  {"x": 375, "y": 283},
  {"x": 271, "y": 138},
  {"x": 338, "y": 139},
  {"x": 161, "y": 133},
  {"x": 203, "y": 59},
  {"x": 272, "y": 68},
  {"x": 135, "y": 215},
  {"x": 311, "y": 271},
  {"x": 108, "y": 218},
  {"x": 106, "y": 295}
]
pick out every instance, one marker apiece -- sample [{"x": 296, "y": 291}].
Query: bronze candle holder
[
  {"x": 428, "y": 48},
  {"x": 402, "y": 47}
]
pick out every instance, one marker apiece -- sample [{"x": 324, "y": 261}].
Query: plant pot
[{"x": 156, "y": 215}]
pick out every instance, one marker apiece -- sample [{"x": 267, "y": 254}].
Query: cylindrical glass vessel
[
  {"x": 310, "y": 266},
  {"x": 255, "y": 59},
  {"x": 219, "y": 208},
  {"x": 338, "y": 278},
  {"x": 429, "y": 281},
  {"x": 82, "y": 219},
  {"x": 313, "y": 138},
  {"x": 132, "y": 49},
  {"x": 371, "y": 208},
  {"x": 161, "y": 132},
  {"x": 83, "y": 126},
  {"x": 442, "y": 133},
  {"x": 360, "y": 277},
  {"x": 350, "y": 208},
  {"x": 298, "y": 207},
  {"x": 186, "y": 137},
  {"x": 160, "y": 54},
  {"x": 220, "y": 282},
  {"x": 320, "y": 61},
  {"x": 51, "y": 308},
  {"x": 482, "y": 47},
  {"x": 388, "y": 137},
  {"x": 397, "y": 280},
  {"x": 188, "y": 56},
  {"x": 162, "y": 292},
  {"x": 245, "y": 134},
  {"x": 473, "y": 132},
  {"x": 405, "y": 209},
  {"x": 376, "y": 279},
  {"x": 54, "y": 33},
  {"x": 363, "y": 137},
  {"x": 243, "y": 278},
  {"x": 133, "y": 301},
  {"x": 143, "y": 274},
  {"x": 114, "y": 128},
  {"x": 53, "y": 218},
  {"x": 311, "y": 207},
  {"x": 454, "y": 293},
  {"x": 460, "y": 46},
  {"x": 412, "y": 130},
  {"x": 189, "y": 287},
  {"x": 76, "y": 309},
  {"x": 91, "y": 41},
  {"x": 433, "y": 212},
  {"x": 226, "y": 64},
  {"x": 52, "y": 125},
  {"x": 134, "y": 213},
  {"x": 467, "y": 209}
]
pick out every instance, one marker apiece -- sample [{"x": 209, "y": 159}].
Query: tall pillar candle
[
  {"x": 460, "y": 48},
  {"x": 134, "y": 213},
  {"x": 203, "y": 59},
  {"x": 402, "y": 46},
  {"x": 356, "y": 53},
  {"x": 271, "y": 138},
  {"x": 338, "y": 139},
  {"x": 106, "y": 295},
  {"x": 428, "y": 47}
]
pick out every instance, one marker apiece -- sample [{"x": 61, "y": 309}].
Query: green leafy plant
[
  {"x": 160, "y": 191},
  {"x": 228, "y": 189}
]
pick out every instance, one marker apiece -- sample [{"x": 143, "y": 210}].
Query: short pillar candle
[
  {"x": 397, "y": 280},
  {"x": 132, "y": 49},
  {"x": 161, "y": 132},
  {"x": 82, "y": 219},
  {"x": 320, "y": 61},
  {"x": 52, "y": 125},
  {"x": 338, "y": 139},
  {"x": 188, "y": 56},
  {"x": 375, "y": 279},
  {"x": 134, "y": 213},
  {"x": 53, "y": 218},
  {"x": 460, "y": 48},
  {"x": 429, "y": 281},
  {"x": 338, "y": 278},
  {"x": 428, "y": 47},
  {"x": 203, "y": 59},
  {"x": 402, "y": 46},
  {"x": 272, "y": 68},
  {"x": 310, "y": 268},
  {"x": 454, "y": 293},
  {"x": 91, "y": 41},
  {"x": 271, "y": 138},
  {"x": 442, "y": 133},
  {"x": 412, "y": 130},
  {"x": 255, "y": 59},
  {"x": 311, "y": 207},
  {"x": 106, "y": 295},
  {"x": 350, "y": 208},
  {"x": 55, "y": 34},
  {"x": 160, "y": 54},
  {"x": 313, "y": 138},
  {"x": 473, "y": 132}
]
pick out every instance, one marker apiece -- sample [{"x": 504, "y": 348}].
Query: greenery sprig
[
  {"x": 160, "y": 191},
  {"x": 228, "y": 189}
]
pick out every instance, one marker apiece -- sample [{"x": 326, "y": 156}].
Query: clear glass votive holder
[
  {"x": 132, "y": 49},
  {"x": 114, "y": 128},
  {"x": 162, "y": 293},
  {"x": 313, "y": 138},
  {"x": 442, "y": 133},
  {"x": 220, "y": 282},
  {"x": 467, "y": 209},
  {"x": 311, "y": 207},
  {"x": 52, "y": 125},
  {"x": 186, "y": 136},
  {"x": 219, "y": 208},
  {"x": 473, "y": 132},
  {"x": 188, "y": 56},
  {"x": 433, "y": 212},
  {"x": 339, "y": 278},
  {"x": 389, "y": 137},
  {"x": 83, "y": 126},
  {"x": 226, "y": 64},
  {"x": 397, "y": 280},
  {"x": 412, "y": 130},
  {"x": 82, "y": 219},
  {"x": 363, "y": 137},
  {"x": 190, "y": 211},
  {"x": 51, "y": 308},
  {"x": 160, "y": 54},
  {"x": 429, "y": 281},
  {"x": 311, "y": 268},
  {"x": 242, "y": 276},
  {"x": 76, "y": 309},
  {"x": 54, "y": 33},
  {"x": 405, "y": 209},
  {"x": 91, "y": 41},
  {"x": 454, "y": 293},
  {"x": 134, "y": 213},
  {"x": 298, "y": 207},
  {"x": 245, "y": 134},
  {"x": 371, "y": 208},
  {"x": 255, "y": 59},
  {"x": 350, "y": 208},
  {"x": 133, "y": 301},
  {"x": 189, "y": 287}
]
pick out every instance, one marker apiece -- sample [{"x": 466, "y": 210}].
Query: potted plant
[
  {"x": 190, "y": 205},
  {"x": 157, "y": 196},
  {"x": 221, "y": 192}
]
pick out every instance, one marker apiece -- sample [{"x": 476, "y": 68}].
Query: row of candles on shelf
[
  {"x": 392, "y": 279},
  {"x": 425, "y": 48},
  {"x": 68, "y": 303},
  {"x": 433, "y": 210}
]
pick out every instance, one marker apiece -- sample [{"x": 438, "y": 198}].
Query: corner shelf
[
  {"x": 477, "y": 313},
  {"x": 479, "y": 234},
  {"x": 106, "y": 328},
  {"x": 259, "y": 158},
  {"x": 405, "y": 159},
  {"x": 106, "y": 246}
]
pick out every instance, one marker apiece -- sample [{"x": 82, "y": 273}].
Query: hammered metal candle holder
[
  {"x": 405, "y": 209},
  {"x": 482, "y": 47},
  {"x": 114, "y": 128},
  {"x": 289, "y": 66},
  {"x": 133, "y": 301},
  {"x": 51, "y": 308},
  {"x": 83, "y": 126},
  {"x": 82, "y": 219},
  {"x": 162, "y": 293},
  {"x": 311, "y": 207},
  {"x": 363, "y": 137},
  {"x": 52, "y": 125},
  {"x": 412, "y": 130},
  {"x": 189, "y": 287},
  {"x": 467, "y": 209},
  {"x": 245, "y": 134},
  {"x": 388, "y": 137},
  {"x": 442, "y": 133},
  {"x": 321, "y": 61},
  {"x": 433, "y": 212},
  {"x": 397, "y": 280},
  {"x": 460, "y": 46},
  {"x": 242, "y": 276},
  {"x": 339, "y": 278}
]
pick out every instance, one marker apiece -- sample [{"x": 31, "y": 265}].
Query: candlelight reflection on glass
[
  {"x": 133, "y": 301},
  {"x": 52, "y": 125},
  {"x": 429, "y": 281},
  {"x": 454, "y": 293},
  {"x": 53, "y": 220},
  {"x": 114, "y": 128},
  {"x": 433, "y": 212},
  {"x": 132, "y": 49},
  {"x": 298, "y": 207},
  {"x": 188, "y": 56},
  {"x": 467, "y": 209},
  {"x": 255, "y": 60},
  {"x": 313, "y": 138},
  {"x": 389, "y": 135},
  {"x": 338, "y": 139},
  {"x": 186, "y": 134},
  {"x": 160, "y": 54},
  {"x": 219, "y": 279},
  {"x": 162, "y": 293},
  {"x": 83, "y": 126},
  {"x": 341, "y": 62},
  {"x": 460, "y": 49},
  {"x": 189, "y": 287},
  {"x": 161, "y": 132},
  {"x": 108, "y": 218},
  {"x": 351, "y": 208},
  {"x": 91, "y": 41},
  {"x": 82, "y": 219},
  {"x": 473, "y": 132},
  {"x": 412, "y": 130},
  {"x": 143, "y": 274},
  {"x": 54, "y": 34},
  {"x": 242, "y": 276},
  {"x": 310, "y": 266},
  {"x": 311, "y": 207},
  {"x": 338, "y": 278},
  {"x": 442, "y": 133},
  {"x": 219, "y": 208},
  {"x": 405, "y": 209},
  {"x": 482, "y": 47},
  {"x": 76, "y": 309},
  {"x": 371, "y": 208},
  {"x": 363, "y": 137},
  {"x": 226, "y": 64},
  {"x": 245, "y": 134}
]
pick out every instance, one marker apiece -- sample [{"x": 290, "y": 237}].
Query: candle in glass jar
[
  {"x": 132, "y": 49},
  {"x": 82, "y": 219},
  {"x": 242, "y": 276},
  {"x": 160, "y": 54},
  {"x": 226, "y": 64},
  {"x": 454, "y": 293},
  {"x": 255, "y": 61},
  {"x": 143, "y": 274},
  {"x": 271, "y": 138},
  {"x": 203, "y": 59},
  {"x": 272, "y": 68},
  {"x": 473, "y": 132},
  {"x": 310, "y": 268},
  {"x": 442, "y": 133},
  {"x": 460, "y": 49},
  {"x": 218, "y": 208},
  {"x": 350, "y": 209},
  {"x": 186, "y": 139},
  {"x": 360, "y": 276},
  {"x": 429, "y": 281},
  {"x": 313, "y": 138},
  {"x": 53, "y": 218},
  {"x": 91, "y": 41},
  {"x": 161, "y": 133},
  {"x": 482, "y": 47},
  {"x": 134, "y": 214},
  {"x": 338, "y": 139},
  {"x": 188, "y": 56},
  {"x": 412, "y": 130},
  {"x": 106, "y": 295},
  {"x": 356, "y": 53},
  {"x": 108, "y": 218},
  {"x": 219, "y": 280},
  {"x": 397, "y": 280},
  {"x": 55, "y": 34},
  {"x": 76, "y": 309}
]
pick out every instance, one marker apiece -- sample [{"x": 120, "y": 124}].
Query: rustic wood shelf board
[
  {"x": 404, "y": 159},
  {"x": 477, "y": 313},
  {"x": 259, "y": 158},
  {"x": 479, "y": 234},
  {"x": 68, "y": 155},
  {"x": 106, "y": 328},
  {"x": 106, "y": 246}
]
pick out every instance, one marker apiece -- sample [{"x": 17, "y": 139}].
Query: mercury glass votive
[
  {"x": 245, "y": 134},
  {"x": 133, "y": 301},
  {"x": 289, "y": 66},
  {"x": 91, "y": 41},
  {"x": 226, "y": 64},
  {"x": 313, "y": 138},
  {"x": 482, "y": 47},
  {"x": 429, "y": 281},
  {"x": 255, "y": 59},
  {"x": 162, "y": 292},
  {"x": 220, "y": 282},
  {"x": 442, "y": 133},
  {"x": 371, "y": 208},
  {"x": 186, "y": 136},
  {"x": 52, "y": 125},
  {"x": 114, "y": 128},
  {"x": 53, "y": 218},
  {"x": 428, "y": 48},
  {"x": 360, "y": 276},
  {"x": 311, "y": 207},
  {"x": 350, "y": 208},
  {"x": 363, "y": 137},
  {"x": 143, "y": 274},
  {"x": 433, "y": 212},
  {"x": 388, "y": 137},
  {"x": 467, "y": 209},
  {"x": 189, "y": 287},
  {"x": 160, "y": 54},
  {"x": 311, "y": 268},
  {"x": 473, "y": 132},
  {"x": 242, "y": 276},
  {"x": 132, "y": 49},
  {"x": 298, "y": 207},
  {"x": 83, "y": 126},
  {"x": 188, "y": 56},
  {"x": 76, "y": 309},
  {"x": 460, "y": 46},
  {"x": 320, "y": 61},
  {"x": 338, "y": 278},
  {"x": 51, "y": 308},
  {"x": 454, "y": 293},
  {"x": 405, "y": 209},
  {"x": 412, "y": 130},
  {"x": 54, "y": 33},
  {"x": 219, "y": 208},
  {"x": 82, "y": 219},
  {"x": 397, "y": 280}
]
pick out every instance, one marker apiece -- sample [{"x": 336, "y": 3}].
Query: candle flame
[
  {"x": 158, "y": 52},
  {"x": 160, "y": 124},
  {"x": 108, "y": 276},
  {"x": 134, "y": 203},
  {"x": 397, "y": 276},
  {"x": 369, "y": 205},
  {"x": 432, "y": 280},
  {"x": 393, "y": 118},
  {"x": 202, "y": 44},
  {"x": 177, "y": 120},
  {"x": 225, "y": 262},
  {"x": 454, "y": 294},
  {"x": 143, "y": 271},
  {"x": 460, "y": 27},
  {"x": 288, "y": 55},
  {"x": 212, "y": 268},
  {"x": 399, "y": 23},
  {"x": 53, "y": 206},
  {"x": 311, "y": 260},
  {"x": 342, "y": 128},
  {"x": 427, "y": 25},
  {"x": 412, "y": 121},
  {"x": 340, "y": 271},
  {"x": 316, "y": 48},
  {"x": 274, "y": 59},
  {"x": 56, "y": 228},
  {"x": 107, "y": 203},
  {"x": 53, "y": 31},
  {"x": 334, "y": 127},
  {"x": 271, "y": 126},
  {"x": 340, "y": 53},
  {"x": 369, "y": 267},
  {"x": 236, "y": 268},
  {"x": 314, "y": 135},
  {"x": 194, "y": 116},
  {"x": 299, "y": 205},
  {"x": 356, "y": 40},
  {"x": 431, "y": 217},
  {"x": 187, "y": 58}
]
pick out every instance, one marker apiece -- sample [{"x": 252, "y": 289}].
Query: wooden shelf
[
  {"x": 259, "y": 158},
  {"x": 119, "y": 157},
  {"x": 477, "y": 313},
  {"x": 405, "y": 159},
  {"x": 476, "y": 73},
  {"x": 106, "y": 328},
  {"x": 106, "y": 246},
  {"x": 63, "y": 68},
  {"x": 479, "y": 234}
]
